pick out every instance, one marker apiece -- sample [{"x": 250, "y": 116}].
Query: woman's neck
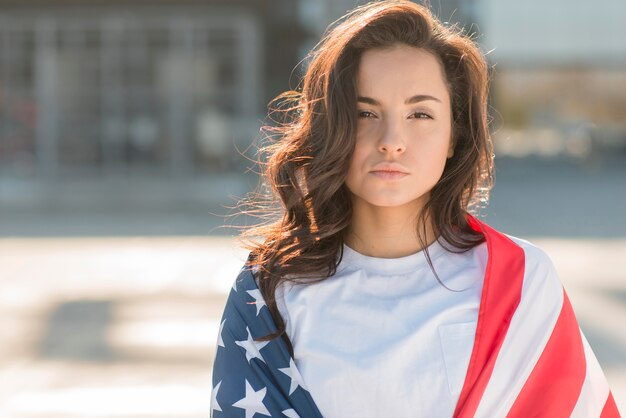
[{"x": 386, "y": 232}]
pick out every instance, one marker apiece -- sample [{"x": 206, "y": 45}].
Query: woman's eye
[
  {"x": 366, "y": 114},
  {"x": 421, "y": 115}
]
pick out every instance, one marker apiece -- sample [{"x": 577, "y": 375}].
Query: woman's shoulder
[
  {"x": 504, "y": 247},
  {"x": 499, "y": 240},
  {"x": 540, "y": 274},
  {"x": 534, "y": 254}
]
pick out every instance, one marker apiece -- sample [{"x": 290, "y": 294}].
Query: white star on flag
[
  {"x": 253, "y": 402},
  {"x": 220, "y": 341},
  {"x": 214, "y": 405},
  {"x": 258, "y": 299},
  {"x": 252, "y": 347},
  {"x": 294, "y": 375},
  {"x": 290, "y": 413}
]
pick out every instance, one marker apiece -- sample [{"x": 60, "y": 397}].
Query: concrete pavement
[{"x": 110, "y": 327}]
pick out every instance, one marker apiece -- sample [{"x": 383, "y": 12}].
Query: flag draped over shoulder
[
  {"x": 530, "y": 358},
  {"x": 255, "y": 379}
]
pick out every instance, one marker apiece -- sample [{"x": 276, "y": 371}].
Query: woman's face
[{"x": 404, "y": 127}]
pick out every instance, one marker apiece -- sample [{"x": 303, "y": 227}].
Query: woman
[{"x": 390, "y": 299}]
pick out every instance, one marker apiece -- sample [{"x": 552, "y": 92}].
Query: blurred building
[
  {"x": 111, "y": 86},
  {"x": 560, "y": 85}
]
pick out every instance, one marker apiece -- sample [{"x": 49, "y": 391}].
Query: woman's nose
[{"x": 392, "y": 140}]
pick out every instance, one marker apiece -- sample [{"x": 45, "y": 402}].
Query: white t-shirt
[{"x": 382, "y": 337}]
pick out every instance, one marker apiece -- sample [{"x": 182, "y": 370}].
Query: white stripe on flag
[{"x": 595, "y": 390}]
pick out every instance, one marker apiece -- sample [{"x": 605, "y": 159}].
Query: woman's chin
[{"x": 389, "y": 202}]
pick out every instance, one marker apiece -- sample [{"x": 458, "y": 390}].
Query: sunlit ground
[
  {"x": 126, "y": 327},
  {"x": 110, "y": 327}
]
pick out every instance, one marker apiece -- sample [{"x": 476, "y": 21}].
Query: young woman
[{"x": 376, "y": 293}]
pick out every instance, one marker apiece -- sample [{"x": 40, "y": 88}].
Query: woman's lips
[{"x": 389, "y": 175}]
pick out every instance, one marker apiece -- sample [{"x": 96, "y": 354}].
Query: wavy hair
[{"x": 309, "y": 150}]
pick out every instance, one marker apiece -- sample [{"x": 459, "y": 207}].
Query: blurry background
[{"x": 125, "y": 133}]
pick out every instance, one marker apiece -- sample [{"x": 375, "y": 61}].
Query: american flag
[
  {"x": 255, "y": 378},
  {"x": 530, "y": 358}
]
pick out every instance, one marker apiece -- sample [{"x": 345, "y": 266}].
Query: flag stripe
[
  {"x": 501, "y": 294},
  {"x": 531, "y": 328},
  {"x": 595, "y": 391},
  {"x": 610, "y": 409},
  {"x": 562, "y": 364}
]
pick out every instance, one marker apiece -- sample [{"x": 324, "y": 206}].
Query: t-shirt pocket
[{"x": 457, "y": 341}]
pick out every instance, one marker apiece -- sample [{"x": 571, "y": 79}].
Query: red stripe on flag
[
  {"x": 502, "y": 289},
  {"x": 610, "y": 409},
  {"x": 554, "y": 386}
]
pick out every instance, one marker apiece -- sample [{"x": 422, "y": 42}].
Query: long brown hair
[{"x": 310, "y": 148}]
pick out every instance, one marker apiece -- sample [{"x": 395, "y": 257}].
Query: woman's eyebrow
[{"x": 411, "y": 100}]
